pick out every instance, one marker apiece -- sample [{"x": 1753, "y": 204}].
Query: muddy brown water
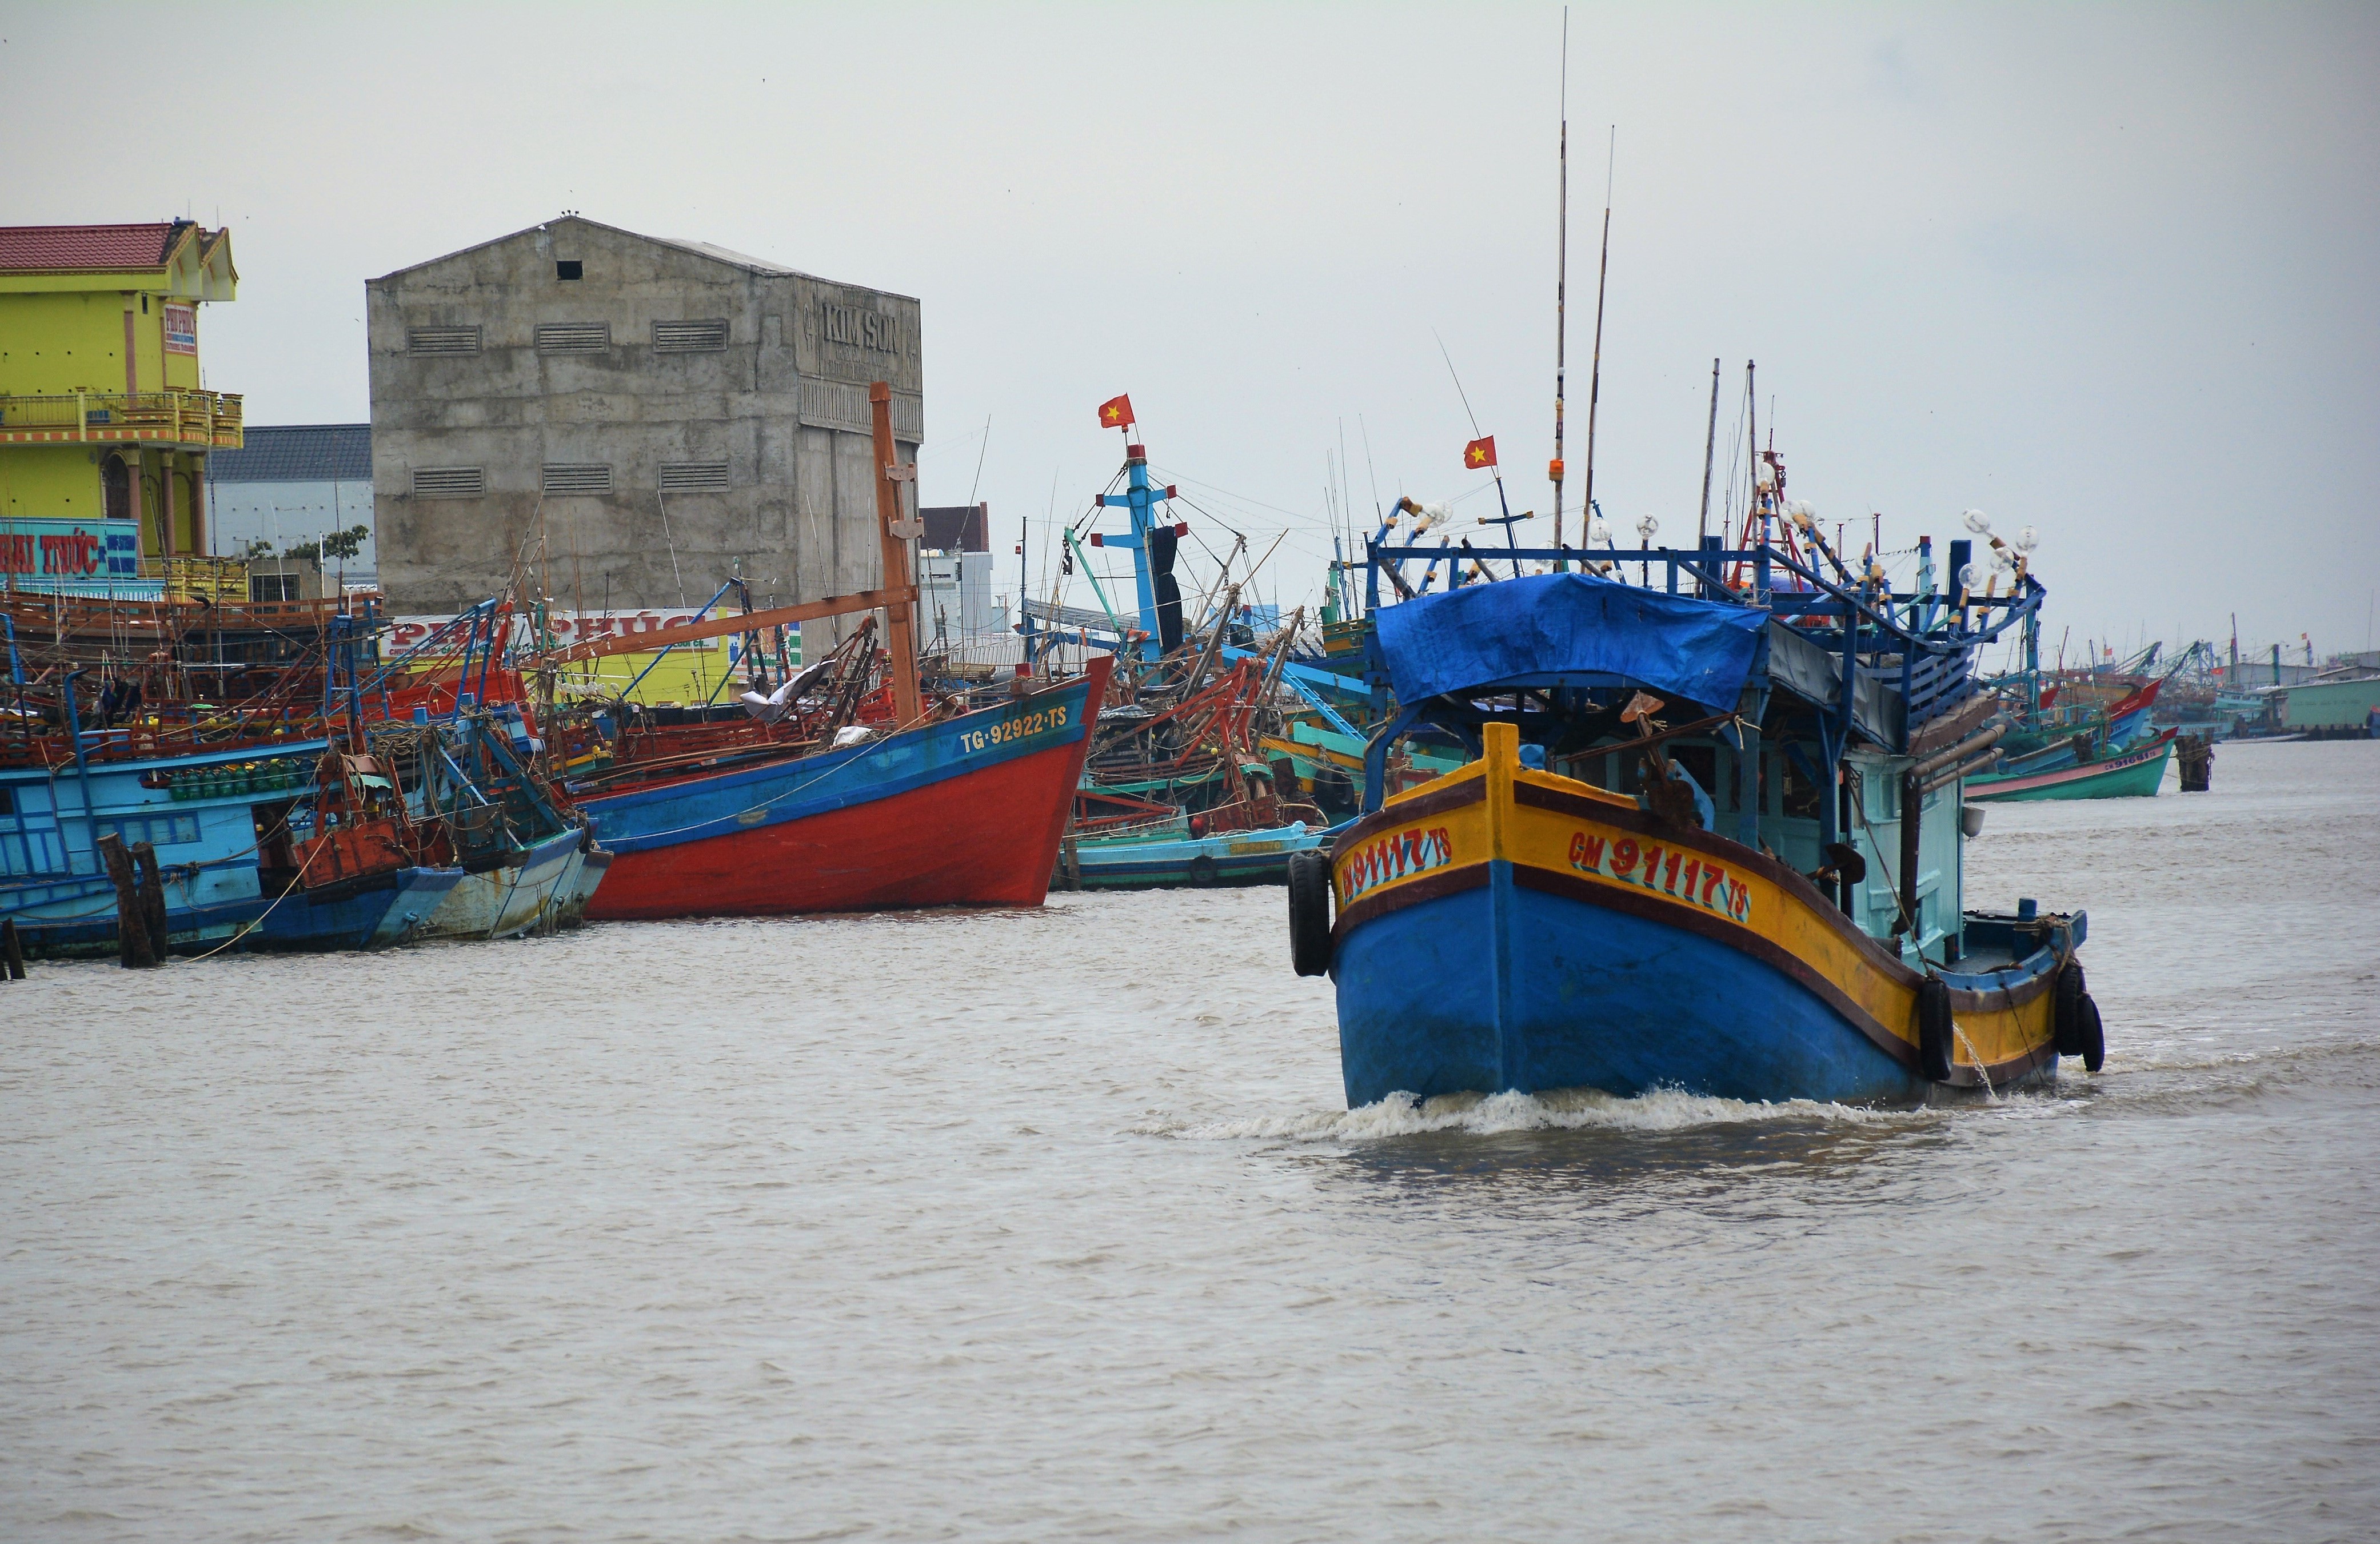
[{"x": 1036, "y": 1225}]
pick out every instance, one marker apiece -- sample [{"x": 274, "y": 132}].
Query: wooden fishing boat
[
  {"x": 1177, "y": 859},
  {"x": 252, "y": 851},
  {"x": 522, "y": 848},
  {"x": 932, "y": 807},
  {"x": 1566, "y": 910},
  {"x": 517, "y": 896},
  {"x": 965, "y": 812},
  {"x": 2133, "y": 774},
  {"x": 1328, "y": 766}
]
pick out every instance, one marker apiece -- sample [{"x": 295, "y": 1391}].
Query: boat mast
[
  {"x": 893, "y": 534},
  {"x": 1710, "y": 449},
  {"x": 1594, "y": 369},
  {"x": 1561, "y": 298}
]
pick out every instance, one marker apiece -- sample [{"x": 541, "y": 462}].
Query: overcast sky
[{"x": 2112, "y": 271}]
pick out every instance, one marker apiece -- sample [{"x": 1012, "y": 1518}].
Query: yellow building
[{"x": 104, "y": 425}]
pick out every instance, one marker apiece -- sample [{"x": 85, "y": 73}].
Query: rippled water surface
[{"x": 1052, "y": 1224}]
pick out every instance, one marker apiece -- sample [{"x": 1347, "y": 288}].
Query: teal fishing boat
[
  {"x": 2133, "y": 774},
  {"x": 1177, "y": 859}
]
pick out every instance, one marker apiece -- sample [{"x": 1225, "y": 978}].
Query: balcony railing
[
  {"x": 209, "y": 420},
  {"x": 218, "y": 580}
]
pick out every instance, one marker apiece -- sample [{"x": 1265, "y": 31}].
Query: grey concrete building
[
  {"x": 291, "y": 484},
  {"x": 653, "y": 415}
]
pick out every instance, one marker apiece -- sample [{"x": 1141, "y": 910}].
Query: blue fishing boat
[
  {"x": 1707, "y": 837},
  {"x": 247, "y": 853},
  {"x": 522, "y": 849}
]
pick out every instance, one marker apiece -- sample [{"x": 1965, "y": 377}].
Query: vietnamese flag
[
  {"x": 1479, "y": 453},
  {"x": 1115, "y": 412}
]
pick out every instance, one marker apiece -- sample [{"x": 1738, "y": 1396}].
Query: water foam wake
[{"x": 1569, "y": 1110}]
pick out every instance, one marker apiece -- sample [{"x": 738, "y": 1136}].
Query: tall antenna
[
  {"x": 1370, "y": 470},
  {"x": 1561, "y": 295},
  {"x": 1594, "y": 371},
  {"x": 1710, "y": 446}
]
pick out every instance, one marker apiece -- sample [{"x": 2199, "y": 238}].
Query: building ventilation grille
[
  {"x": 688, "y": 337},
  {"x": 574, "y": 337},
  {"x": 441, "y": 340},
  {"x": 449, "y": 482},
  {"x": 694, "y": 476},
  {"x": 577, "y": 477}
]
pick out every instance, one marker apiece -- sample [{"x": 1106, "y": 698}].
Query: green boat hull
[{"x": 2136, "y": 775}]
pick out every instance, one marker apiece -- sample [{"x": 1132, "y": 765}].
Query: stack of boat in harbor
[
  {"x": 1186, "y": 786},
  {"x": 2068, "y": 739},
  {"x": 349, "y": 803}
]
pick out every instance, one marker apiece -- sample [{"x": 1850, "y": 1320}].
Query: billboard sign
[{"x": 48, "y": 555}]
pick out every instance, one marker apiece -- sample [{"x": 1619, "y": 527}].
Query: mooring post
[
  {"x": 131, "y": 931},
  {"x": 12, "y": 952},
  {"x": 151, "y": 886}
]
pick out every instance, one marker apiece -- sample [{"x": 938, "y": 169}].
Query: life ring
[
  {"x": 1309, "y": 913},
  {"x": 1934, "y": 1028}
]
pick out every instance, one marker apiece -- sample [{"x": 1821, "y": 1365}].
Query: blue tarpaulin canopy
[{"x": 1529, "y": 631}]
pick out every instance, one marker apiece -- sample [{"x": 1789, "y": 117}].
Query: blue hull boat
[
  {"x": 1525, "y": 972},
  {"x": 209, "y": 817},
  {"x": 1708, "y": 838}
]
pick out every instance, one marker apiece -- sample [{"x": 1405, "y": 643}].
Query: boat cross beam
[{"x": 744, "y": 621}]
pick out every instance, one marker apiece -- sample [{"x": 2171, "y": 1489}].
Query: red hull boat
[{"x": 966, "y": 811}]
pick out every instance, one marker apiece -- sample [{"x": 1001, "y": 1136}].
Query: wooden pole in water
[
  {"x": 131, "y": 929},
  {"x": 12, "y": 951},
  {"x": 894, "y": 532},
  {"x": 151, "y": 886}
]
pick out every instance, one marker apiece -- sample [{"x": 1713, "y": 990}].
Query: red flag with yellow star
[
  {"x": 1479, "y": 453},
  {"x": 1115, "y": 412}
]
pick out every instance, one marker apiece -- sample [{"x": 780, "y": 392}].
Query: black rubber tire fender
[
  {"x": 1309, "y": 913},
  {"x": 2094, "y": 1048},
  {"x": 1934, "y": 1030},
  {"x": 1203, "y": 871},
  {"x": 2066, "y": 1018}
]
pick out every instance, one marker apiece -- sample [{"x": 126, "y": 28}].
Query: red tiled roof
[{"x": 24, "y": 246}]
